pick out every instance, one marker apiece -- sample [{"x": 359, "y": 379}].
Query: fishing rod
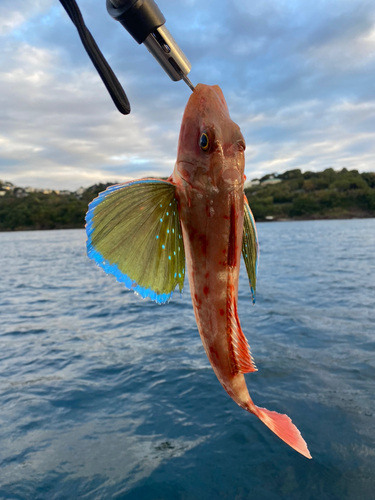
[{"x": 145, "y": 23}]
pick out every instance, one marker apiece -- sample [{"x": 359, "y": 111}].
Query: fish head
[{"x": 211, "y": 146}]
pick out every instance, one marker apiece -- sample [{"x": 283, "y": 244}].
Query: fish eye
[{"x": 204, "y": 142}]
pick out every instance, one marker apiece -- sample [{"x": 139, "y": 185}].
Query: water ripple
[{"x": 104, "y": 395}]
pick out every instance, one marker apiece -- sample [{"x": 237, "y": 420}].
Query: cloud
[
  {"x": 298, "y": 79},
  {"x": 14, "y": 14}
]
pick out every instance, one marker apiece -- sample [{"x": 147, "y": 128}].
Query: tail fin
[{"x": 283, "y": 427}]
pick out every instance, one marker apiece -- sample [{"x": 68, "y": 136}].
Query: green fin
[
  {"x": 250, "y": 247},
  {"x": 134, "y": 233}
]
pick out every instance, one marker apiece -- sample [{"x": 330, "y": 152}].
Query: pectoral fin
[
  {"x": 133, "y": 232},
  {"x": 250, "y": 247}
]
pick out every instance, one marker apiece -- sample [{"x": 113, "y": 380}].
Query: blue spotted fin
[
  {"x": 250, "y": 247},
  {"x": 134, "y": 232}
]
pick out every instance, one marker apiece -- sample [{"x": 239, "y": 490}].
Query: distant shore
[
  {"x": 265, "y": 221},
  {"x": 291, "y": 196},
  {"x": 348, "y": 215}
]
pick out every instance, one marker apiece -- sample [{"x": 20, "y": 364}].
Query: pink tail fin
[{"x": 283, "y": 427}]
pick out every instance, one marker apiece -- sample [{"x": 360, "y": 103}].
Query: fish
[{"x": 144, "y": 231}]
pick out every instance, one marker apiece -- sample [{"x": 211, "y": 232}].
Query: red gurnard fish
[{"x": 141, "y": 231}]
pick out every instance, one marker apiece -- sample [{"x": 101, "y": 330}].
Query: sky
[{"x": 298, "y": 77}]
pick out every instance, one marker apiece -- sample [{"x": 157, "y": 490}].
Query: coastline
[
  {"x": 346, "y": 216},
  {"x": 291, "y": 196}
]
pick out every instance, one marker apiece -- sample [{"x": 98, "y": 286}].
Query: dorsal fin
[{"x": 238, "y": 345}]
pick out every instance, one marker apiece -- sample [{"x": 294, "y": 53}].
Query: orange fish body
[
  {"x": 210, "y": 191},
  {"x": 142, "y": 230}
]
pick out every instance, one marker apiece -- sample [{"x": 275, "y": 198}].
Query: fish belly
[{"x": 209, "y": 242}]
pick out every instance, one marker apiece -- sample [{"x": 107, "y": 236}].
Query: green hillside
[
  {"x": 313, "y": 195},
  {"x": 291, "y": 195},
  {"x": 20, "y": 210}
]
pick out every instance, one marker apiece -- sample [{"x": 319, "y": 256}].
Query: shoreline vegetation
[{"x": 293, "y": 195}]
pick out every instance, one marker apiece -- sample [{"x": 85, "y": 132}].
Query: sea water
[{"x": 106, "y": 396}]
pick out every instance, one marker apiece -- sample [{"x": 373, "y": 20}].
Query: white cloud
[
  {"x": 14, "y": 14},
  {"x": 297, "y": 78},
  {"x": 9, "y": 21}
]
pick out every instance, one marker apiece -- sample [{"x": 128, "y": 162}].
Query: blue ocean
[{"x": 104, "y": 395}]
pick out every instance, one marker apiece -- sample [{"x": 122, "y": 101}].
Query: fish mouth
[
  {"x": 231, "y": 180},
  {"x": 231, "y": 176},
  {"x": 200, "y": 176}
]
